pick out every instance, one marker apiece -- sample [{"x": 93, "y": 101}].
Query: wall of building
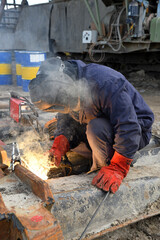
[{"x": 32, "y": 30}]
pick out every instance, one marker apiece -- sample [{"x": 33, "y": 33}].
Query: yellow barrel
[
  {"x": 30, "y": 63},
  {"x": 5, "y": 68},
  {"x": 18, "y": 68}
]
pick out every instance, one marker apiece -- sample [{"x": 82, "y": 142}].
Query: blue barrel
[
  {"x": 30, "y": 62},
  {"x": 5, "y": 68},
  {"x": 18, "y": 68}
]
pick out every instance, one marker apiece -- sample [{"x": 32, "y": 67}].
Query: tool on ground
[
  {"x": 15, "y": 156},
  {"x": 93, "y": 216},
  {"x": 23, "y": 111}
]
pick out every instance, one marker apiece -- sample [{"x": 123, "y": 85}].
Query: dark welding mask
[{"x": 54, "y": 88}]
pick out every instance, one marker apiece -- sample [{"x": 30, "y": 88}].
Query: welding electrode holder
[{"x": 15, "y": 156}]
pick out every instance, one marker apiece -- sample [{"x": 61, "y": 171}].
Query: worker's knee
[
  {"x": 92, "y": 128},
  {"x": 99, "y": 128}
]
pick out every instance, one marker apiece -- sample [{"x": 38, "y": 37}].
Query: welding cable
[
  {"x": 40, "y": 129},
  {"x": 129, "y": 31},
  {"x": 91, "y": 54},
  {"x": 107, "y": 41},
  {"x": 93, "y": 216},
  {"x": 40, "y": 134},
  {"x": 118, "y": 31}
]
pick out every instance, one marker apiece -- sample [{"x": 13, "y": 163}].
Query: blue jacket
[{"x": 114, "y": 98}]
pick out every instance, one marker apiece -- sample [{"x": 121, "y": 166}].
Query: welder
[{"x": 96, "y": 106}]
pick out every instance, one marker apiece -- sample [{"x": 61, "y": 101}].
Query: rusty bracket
[{"x": 38, "y": 186}]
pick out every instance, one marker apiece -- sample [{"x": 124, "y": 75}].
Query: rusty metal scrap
[
  {"x": 29, "y": 221},
  {"x": 38, "y": 186}
]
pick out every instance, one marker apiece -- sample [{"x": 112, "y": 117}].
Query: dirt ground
[
  {"x": 148, "y": 84},
  {"x": 149, "y": 87},
  {"x": 148, "y": 229}
]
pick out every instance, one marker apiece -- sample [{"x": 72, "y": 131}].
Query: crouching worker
[{"x": 96, "y": 106}]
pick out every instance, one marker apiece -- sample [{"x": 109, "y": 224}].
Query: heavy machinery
[
  {"x": 108, "y": 32},
  {"x": 124, "y": 34}
]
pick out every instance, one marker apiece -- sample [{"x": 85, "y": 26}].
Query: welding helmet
[{"x": 54, "y": 88}]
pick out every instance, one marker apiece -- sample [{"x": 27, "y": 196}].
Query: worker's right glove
[
  {"x": 110, "y": 177},
  {"x": 59, "y": 148}
]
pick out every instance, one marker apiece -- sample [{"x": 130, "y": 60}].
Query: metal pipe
[
  {"x": 98, "y": 17},
  {"x": 126, "y": 4},
  {"x": 158, "y": 9},
  {"x": 92, "y": 16},
  {"x": 2, "y": 5}
]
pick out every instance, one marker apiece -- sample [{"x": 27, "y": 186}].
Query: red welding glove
[
  {"x": 59, "y": 148},
  {"x": 110, "y": 177}
]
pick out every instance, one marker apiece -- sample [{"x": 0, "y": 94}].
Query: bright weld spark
[{"x": 36, "y": 167}]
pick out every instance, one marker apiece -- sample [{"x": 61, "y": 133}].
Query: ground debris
[
  {"x": 152, "y": 207},
  {"x": 148, "y": 229}
]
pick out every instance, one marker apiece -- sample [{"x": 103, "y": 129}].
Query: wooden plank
[{"x": 38, "y": 186}]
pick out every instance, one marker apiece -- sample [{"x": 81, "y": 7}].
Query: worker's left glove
[
  {"x": 110, "y": 177},
  {"x": 59, "y": 148}
]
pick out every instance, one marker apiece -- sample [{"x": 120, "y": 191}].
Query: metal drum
[
  {"x": 5, "y": 68},
  {"x": 18, "y": 68},
  {"x": 30, "y": 62}
]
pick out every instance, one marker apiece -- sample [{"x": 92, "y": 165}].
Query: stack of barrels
[{"x": 27, "y": 65}]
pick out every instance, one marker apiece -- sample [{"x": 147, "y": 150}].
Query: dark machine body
[
  {"x": 108, "y": 32},
  {"x": 122, "y": 34}
]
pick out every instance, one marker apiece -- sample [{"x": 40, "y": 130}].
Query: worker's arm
[
  {"x": 59, "y": 149},
  {"x": 110, "y": 177},
  {"x": 68, "y": 134},
  {"x": 119, "y": 109}
]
